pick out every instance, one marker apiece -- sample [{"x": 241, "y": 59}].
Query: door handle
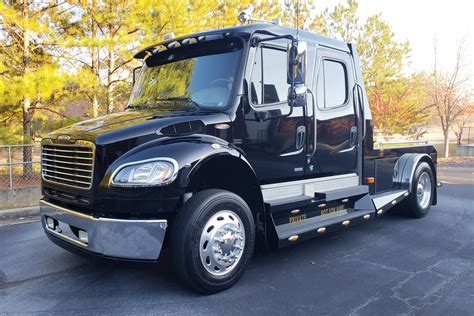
[
  {"x": 353, "y": 136},
  {"x": 300, "y": 136}
]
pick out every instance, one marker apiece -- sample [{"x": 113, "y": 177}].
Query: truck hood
[
  {"x": 117, "y": 120},
  {"x": 133, "y": 124}
]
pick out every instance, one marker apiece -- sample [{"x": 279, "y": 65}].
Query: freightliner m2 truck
[{"x": 251, "y": 135}]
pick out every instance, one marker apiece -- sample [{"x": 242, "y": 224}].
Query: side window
[
  {"x": 268, "y": 80},
  {"x": 332, "y": 84}
]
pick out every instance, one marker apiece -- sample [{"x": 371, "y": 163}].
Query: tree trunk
[
  {"x": 95, "y": 105},
  {"x": 110, "y": 85},
  {"x": 26, "y": 103},
  {"x": 27, "y": 137},
  {"x": 95, "y": 67},
  {"x": 459, "y": 137},
  {"x": 446, "y": 143},
  {"x": 110, "y": 66}
]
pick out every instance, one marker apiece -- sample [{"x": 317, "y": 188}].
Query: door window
[
  {"x": 268, "y": 80},
  {"x": 332, "y": 84}
]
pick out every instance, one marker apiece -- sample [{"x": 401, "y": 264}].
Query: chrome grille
[{"x": 68, "y": 164}]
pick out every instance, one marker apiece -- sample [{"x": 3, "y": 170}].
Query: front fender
[{"x": 188, "y": 152}]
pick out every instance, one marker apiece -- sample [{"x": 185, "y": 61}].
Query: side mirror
[
  {"x": 296, "y": 70},
  {"x": 296, "y": 62}
]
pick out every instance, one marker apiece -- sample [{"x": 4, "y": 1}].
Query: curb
[{"x": 19, "y": 212}]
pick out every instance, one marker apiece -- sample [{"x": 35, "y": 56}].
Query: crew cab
[{"x": 256, "y": 134}]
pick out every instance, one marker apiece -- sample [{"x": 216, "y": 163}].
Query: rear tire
[
  {"x": 418, "y": 203},
  {"x": 212, "y": 240}
]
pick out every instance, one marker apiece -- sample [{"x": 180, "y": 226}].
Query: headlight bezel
[{"x": 143, "y": 162}]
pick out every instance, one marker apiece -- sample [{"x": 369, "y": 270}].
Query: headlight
[{"x": 152, "y": 172}]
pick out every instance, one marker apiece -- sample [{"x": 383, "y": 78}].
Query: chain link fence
[{"x": 20, "y": 166}]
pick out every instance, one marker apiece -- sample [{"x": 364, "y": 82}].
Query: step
[
  {"x": 386, "y": 200},
  {"x": 339, "y": 194},
  {"x": 291, "y": 203}
]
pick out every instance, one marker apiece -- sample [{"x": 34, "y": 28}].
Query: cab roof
[{"x": 309, "y": 37}]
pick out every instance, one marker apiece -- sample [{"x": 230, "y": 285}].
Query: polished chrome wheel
[
  {"x": 423, "y": 190},
  {"x": 222, "y": 242}
]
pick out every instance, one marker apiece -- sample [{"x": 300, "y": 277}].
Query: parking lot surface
[{"x": 394, "y": 265}]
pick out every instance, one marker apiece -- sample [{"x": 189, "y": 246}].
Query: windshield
[{"x": 199, "y": 75}]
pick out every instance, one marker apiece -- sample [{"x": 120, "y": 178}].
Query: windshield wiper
[
  {"x": 180, "y": 99},
  {"x": 171, "y": 99}
]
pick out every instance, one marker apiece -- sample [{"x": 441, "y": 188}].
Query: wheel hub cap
[
  {"x": 222, "y": 242},
  {"x": 423, "y": 190}
]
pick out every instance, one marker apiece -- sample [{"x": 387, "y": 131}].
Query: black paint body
[{"x": 259, "y": 147}]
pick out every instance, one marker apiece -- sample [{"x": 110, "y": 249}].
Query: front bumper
[{"x": 106, "y": 237}]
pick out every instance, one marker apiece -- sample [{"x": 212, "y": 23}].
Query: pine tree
[{"x": 29, "y": 76}]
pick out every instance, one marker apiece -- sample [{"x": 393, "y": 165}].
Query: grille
[{"x": 69, "y": 165}]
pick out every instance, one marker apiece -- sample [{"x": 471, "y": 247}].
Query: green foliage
[
  {"x": 397, "y": 100},
  {"x": 30, "y": 79},
  {"x": 55, "y": 53},
  {"x": 382, "y": 57},
  {"x": 399, "y": 104},
  {"x": 342, "y": 22}
]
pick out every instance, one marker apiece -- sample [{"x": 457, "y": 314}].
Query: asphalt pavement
[{"x": 392, "y": 266}]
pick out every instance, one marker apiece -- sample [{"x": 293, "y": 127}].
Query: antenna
[
  {"x": 297, "y": 19},
  {"x": 297, "y": 11},
  {"x": 246, "y": 17}
]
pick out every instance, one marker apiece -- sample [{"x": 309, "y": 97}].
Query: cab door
[
  {"x": 274, "y": 142},
  {"x": 335, "y": 114}
]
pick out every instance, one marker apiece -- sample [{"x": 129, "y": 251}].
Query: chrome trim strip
[
  {"x": 104, "y": 219},
  {"x": 299, "y": 151},
  {"x": 65, "y": 210},
  {"x": 305, "y": 181},
  {"x": 64, "y": 179},
  {"x": 347, "y": 149},
  {"x": 67, "y": 174},
  {"x": 307, "y": 187},
  {"x": 67, "y": 168},
  {"x": 70, "y": 163},
  {"x": 68, "y": 157},
  {"x": 68, "y": 151}
]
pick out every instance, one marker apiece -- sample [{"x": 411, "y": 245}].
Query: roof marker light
[{"x": 168, "y": 36}]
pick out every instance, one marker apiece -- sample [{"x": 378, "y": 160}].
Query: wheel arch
[
  {"x": 231, "y": 173},
  {"x": 405, "y": 168}
]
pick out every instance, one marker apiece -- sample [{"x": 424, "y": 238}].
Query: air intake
[{"x": 182, "y": 129}]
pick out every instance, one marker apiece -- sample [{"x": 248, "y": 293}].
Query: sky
[{"x": 419, "y": 21}]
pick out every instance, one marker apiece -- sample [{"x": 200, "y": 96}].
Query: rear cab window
[{"x": 332, "y": 84}]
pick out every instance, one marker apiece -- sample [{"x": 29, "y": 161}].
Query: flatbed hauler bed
[{"x": 231, "y": 137}]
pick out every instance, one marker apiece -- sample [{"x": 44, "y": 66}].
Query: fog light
[
  {"x": 83, "y": 236},
  {"x": 50, "y": 223}
]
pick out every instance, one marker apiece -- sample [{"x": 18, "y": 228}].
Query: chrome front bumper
[{"x": 113, "y": 238}]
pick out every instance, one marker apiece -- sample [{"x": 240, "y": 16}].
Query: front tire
[
  {"x": 212, "y": 240},
  {"x": 419, "y": 201}
]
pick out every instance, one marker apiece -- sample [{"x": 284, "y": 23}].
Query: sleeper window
[{"x": 268, "y": 84}]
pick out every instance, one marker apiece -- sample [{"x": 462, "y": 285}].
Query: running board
[
  {"x": 294, "y": 209},
  {"x": 307, "y": 220},
  {"x": 320, "y": 225},
  {"x": 385, "y": 201}
]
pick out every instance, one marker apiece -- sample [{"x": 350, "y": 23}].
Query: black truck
[{"x": 251, "y": 135}]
